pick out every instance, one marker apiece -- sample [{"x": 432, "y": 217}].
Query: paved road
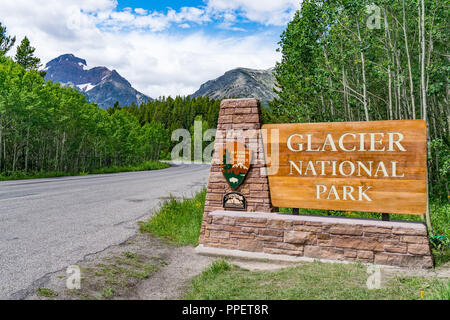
[{"x": 49, "y": 224}]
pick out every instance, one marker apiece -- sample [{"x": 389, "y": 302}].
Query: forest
[
  {"x": 45, "y": 127},
  {"x": 353, "y": 60}
]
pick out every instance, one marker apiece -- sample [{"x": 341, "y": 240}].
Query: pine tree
[
  {"x": 25, "y": 56},
  {"x": 6, "y": 42}
]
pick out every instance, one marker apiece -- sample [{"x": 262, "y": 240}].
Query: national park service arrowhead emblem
[{"x": 235, "y": 163}]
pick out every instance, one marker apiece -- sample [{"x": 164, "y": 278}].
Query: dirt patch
[
  {"x": 143, "y": 267},
  {"x": 441, "y": 272},
  {"x": 173, "y": 281}
]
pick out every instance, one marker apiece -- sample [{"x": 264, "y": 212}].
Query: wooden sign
[{"x": 377, "y": 166}]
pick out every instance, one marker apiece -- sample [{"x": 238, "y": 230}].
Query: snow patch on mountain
[
  {"x": 83, "y": 66},
  {"x": 85, "y": 87},
  {"x": 100, "y": 84}
]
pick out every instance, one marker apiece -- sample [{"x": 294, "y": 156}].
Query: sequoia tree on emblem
[{"x": 236, "y": 161}]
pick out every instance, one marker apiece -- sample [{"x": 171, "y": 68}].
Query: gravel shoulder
[{"x": 168, "y": 280}]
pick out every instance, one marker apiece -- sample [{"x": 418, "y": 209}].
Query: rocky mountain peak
[
  {"x": 99, "y": 84},
  {"x": 241, "y": 83}
]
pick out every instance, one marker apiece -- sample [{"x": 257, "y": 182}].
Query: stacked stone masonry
[
  {"x": 402, "y": 244},
  {"x": 240, "y": 120}
]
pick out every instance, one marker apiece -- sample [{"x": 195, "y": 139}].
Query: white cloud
[
  {"x": 141, "y": 11},
  {"x": 185, "y": 26},
  {"x": 135, "y": 43},
  {"x": 268, "y": 12}
]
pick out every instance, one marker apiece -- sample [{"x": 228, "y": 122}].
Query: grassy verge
[
  {"x": 311, "y": 281},
  {"x": 178, "y": 222},
  {"x": 145, "y": 166}
]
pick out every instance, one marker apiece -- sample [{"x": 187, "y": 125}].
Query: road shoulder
[{"x": 142, "y": 268}]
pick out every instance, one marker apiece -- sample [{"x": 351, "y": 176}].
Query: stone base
[{"x": 402, "y": 244}]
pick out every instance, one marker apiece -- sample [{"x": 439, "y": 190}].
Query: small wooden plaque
[{"x": 234, "y": 201}]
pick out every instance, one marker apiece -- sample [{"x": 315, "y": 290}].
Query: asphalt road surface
[{"x": 47, "y": 225}]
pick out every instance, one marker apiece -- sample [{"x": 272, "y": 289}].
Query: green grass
[
  {"x": 441, "y": 291},
  {"x": 440, "y": 220},
  {"x": 310, "y": 281},
  {"x": 108, "y": 293},
  {"x": 178, "y": 222},
  {"x": 144, "y": 166},
  {"x": 48, "y": 293}
]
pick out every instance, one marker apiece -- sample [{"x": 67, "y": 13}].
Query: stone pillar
[{"x": 239, "y": 119}]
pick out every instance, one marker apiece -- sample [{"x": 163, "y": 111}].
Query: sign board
[
  {"x": 377, "y": 166},
  {"x": 235, "y": 163}
]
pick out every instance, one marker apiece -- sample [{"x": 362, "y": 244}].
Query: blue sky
[
  {"x": 242, "y": 23},
  {"x": 158, "y": 4},
  {"x": 162, "y": 47}
]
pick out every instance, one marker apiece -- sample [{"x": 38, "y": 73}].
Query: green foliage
[
  {"x": 440, "y": 239},
  {"x": 177, "y": 221},
  {"x": 145, "y": 166},
  {"x": 440, "y": 219},
  {"x": 217, "y": 267},
  {"x": 173, "y": 114},
  {"x": 439, "y": 159},
  {"x": 6, "y": 42},
  {"x": 48, "y": 128},
  {"x": 440, "y": 291},
  {"x": 25, "y": 56}
]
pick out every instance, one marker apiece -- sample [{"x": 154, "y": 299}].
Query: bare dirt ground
[
  {"x": 143, "y": 267},
  {"x": 147, "y": 268}
]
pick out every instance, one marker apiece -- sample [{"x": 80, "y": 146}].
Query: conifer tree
[
  {"x": 6, "y": 42},
  {"x": 25, "y": 56}
]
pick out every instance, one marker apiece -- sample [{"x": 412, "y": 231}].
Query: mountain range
[
  {"x": 105, "y": 87},
  {"x": 241, "y": 83},
  {"x": 99, "y": 84}
]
